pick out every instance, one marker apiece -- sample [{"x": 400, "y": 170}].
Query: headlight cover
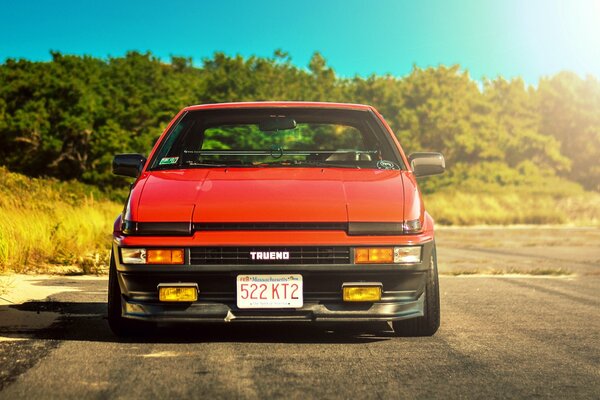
[
  {"x": 412, "y": 226},
  {"x": 385, "y": 228}
]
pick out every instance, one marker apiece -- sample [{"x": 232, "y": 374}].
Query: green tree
[
  {"x": 517, "y": 119},
  {"x": 67, "y": 117},
  {"x": 570, "y": 112}
]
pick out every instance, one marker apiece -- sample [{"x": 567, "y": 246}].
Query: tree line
[{"x": 66, "y": 118}]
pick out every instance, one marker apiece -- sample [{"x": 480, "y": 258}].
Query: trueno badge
[{"x": 270, "y": 255}]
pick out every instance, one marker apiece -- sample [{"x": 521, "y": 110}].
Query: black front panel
[{"x": 269, "y": 255}]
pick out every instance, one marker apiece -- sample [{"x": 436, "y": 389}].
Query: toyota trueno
[{"x": 275, "y": 211}]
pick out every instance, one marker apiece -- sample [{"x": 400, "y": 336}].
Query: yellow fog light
[
  {"x": 374, "y": 255},
  {"x": 361, "y": 292},
  {"x": 178, "y": 292}
]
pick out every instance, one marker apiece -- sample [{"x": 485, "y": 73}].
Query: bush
[
  {"x": 534, "y": 200},
  {"x": 44, "y": 221}
]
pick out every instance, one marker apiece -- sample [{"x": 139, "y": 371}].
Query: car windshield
[{"x": 276, "y": 137}]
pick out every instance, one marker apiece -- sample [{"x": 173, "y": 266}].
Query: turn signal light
[
  {"x": 374, "y": 255},
  {"x": 388, "y": 255},
  {"x": 164, "y": 256}
]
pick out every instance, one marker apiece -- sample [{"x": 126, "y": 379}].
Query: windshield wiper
[
  {"x": 207, "y": 164},
  {"x": 297, "y": 163}
]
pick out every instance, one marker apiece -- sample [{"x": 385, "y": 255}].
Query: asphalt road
[{"x": 501, "y": 337}]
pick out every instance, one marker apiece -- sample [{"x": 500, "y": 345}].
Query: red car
[{"x": 275, "y": 211}]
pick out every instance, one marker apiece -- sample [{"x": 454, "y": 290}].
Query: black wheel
[
  {"x": 121, "y": 327},
  {"x": 428, "y": 324}
]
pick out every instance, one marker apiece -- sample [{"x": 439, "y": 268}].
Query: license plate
[{"x": 269, "y": 291}]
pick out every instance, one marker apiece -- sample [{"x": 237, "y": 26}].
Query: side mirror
[
  {"x": 426, "y": 164},
  {"x": 128, "y": 164}
]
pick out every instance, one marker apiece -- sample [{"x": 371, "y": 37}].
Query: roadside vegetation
[
  {"x": 493, "y": 194},
  {"x": 46, "y": 222},
  {"x": 514, "y": 205},
  {"x": 67, "y": 117}
]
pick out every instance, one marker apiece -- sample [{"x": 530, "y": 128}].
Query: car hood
[{"x": 268, "y": 195}]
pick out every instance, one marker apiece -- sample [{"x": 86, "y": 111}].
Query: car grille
[{"x": 297, "y": 255}]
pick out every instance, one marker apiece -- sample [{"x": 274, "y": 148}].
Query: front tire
[
  {"x": 428, "y": 324},
  {"x": 121, "y": 327}
]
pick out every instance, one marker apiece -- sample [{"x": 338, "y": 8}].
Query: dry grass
[
  {"x": 510, "y": 206},
  {"x": 45, "y": 222}
]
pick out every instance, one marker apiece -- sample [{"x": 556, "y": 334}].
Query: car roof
[{"x": 281, "y": 104}]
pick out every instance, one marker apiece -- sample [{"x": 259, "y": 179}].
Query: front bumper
[{"x": 402, "y": 296}]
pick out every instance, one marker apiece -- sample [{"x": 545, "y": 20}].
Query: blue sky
[{"x": 528, "y": 38}]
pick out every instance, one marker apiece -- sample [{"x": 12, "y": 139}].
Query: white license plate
[{"x": 269, "y": 291}]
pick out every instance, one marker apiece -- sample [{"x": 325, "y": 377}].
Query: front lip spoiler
[{"x": 310, "y": 312}]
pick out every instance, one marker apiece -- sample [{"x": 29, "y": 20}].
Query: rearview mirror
[
  {"x": 277, "y": 123},
  {"x": 128, "y": 164},
  {"x": 427, "y": 164}
]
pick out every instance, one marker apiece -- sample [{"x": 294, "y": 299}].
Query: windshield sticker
[
  {"x": 384, "y": 164},
  {"x": 168, "y": 160}
]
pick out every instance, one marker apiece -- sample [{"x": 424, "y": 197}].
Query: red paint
[
  {"x": 269, "y": 195},
  {"x": 273, "y": 238},
  {"x": 413, "y": 201}
]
